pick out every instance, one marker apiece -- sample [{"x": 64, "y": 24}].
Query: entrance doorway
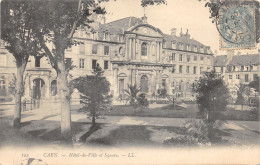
[
  {"x": 144, "y": 84},
  {"x": 38, "y": 88}
]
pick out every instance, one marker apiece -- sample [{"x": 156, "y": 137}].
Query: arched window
[
  {"x": 121, "y": 50},
  {"x": 2, "y": 88},
  {"x": 144, "y": 49}
]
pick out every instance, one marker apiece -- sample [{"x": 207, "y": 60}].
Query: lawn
[{"x": 190, "y": 111}]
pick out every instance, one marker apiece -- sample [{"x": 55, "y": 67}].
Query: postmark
[{"x": 237, "y": 27}]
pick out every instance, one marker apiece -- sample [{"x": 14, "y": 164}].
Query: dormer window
[
  {"x": 174, "y": 45},
  {"x": 195, "y": 48},
  {"x": 106, "y": 36},
  {"x": 181, "y": 46},
  {"x": 94, "y": 35},
  {"x": 188, "y": 47}
]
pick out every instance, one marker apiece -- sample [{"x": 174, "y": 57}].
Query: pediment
[{"x": 147, "y": 30}]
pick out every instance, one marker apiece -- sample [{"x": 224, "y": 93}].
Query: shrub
[{"x": 142, "y": 101}]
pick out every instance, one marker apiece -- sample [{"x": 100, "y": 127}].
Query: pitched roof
[
  {"x": 252, "y": 59},
  {"x": 170, "y": 38},
  {"x": 119, "y": 26},
  {"x": 220, "y": 60}
]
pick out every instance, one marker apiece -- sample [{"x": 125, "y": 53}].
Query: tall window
[
  {"x": 105, "y": 64},
  {"x": 188, "y": 69},
  {"x": 81, "y": 63},
  {"x": 164, "y": 83},
  {"x": 195, "y": 58},
  {"x": 121, "y": 50},
  {"x": 144, "y": 49},
  {"x": 188, "y": 58},
  {"x": 37, "y": 61},
  {"x": 172, "y": 56},
  {"x": 94, "y": 64},
  {"x": 68, "y": 61},
  {"x": 230, "y": 77},
  {"x": 246, "y": 78},
  {"x": 255, "y": 77},
  {"x": 106, "y": 50},
  {"x": 194, "y": 70},
  {"x": 2, "y": 84},
  {"x": 2, "y": 88},
  {"x": 180, "y": 69},
  {"x": 237, "y": 76},
  {"x": 2, "y": 60},
  {"x": 82, "y": 48},
  {"x": 180, "y": 57},
  {"x": 201, "y": 58},
  {"x": 94, "y": 49}
]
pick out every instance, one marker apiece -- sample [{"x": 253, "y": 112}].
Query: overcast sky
[{"x": 185, "y": 14}]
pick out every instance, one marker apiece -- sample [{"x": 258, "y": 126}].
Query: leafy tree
[
  {"x": 56, "y": 23},
  {"x": 94, "y": 91},
  {"x": 241, "y": 92},
  {"x": 131, "y": 94},
  {"x": 212, "y": 95},
  {"x": 17, "y": 32},
  {"x": 255, "y": 84}
]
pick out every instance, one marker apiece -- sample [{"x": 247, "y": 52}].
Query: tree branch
[
  {"x": 75, "y": 22},
  {"x": 49, "y": 53}
]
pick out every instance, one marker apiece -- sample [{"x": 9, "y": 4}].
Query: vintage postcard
[{"x": 129, "y": 82}]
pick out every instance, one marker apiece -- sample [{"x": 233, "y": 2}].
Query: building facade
[
  {"x": 130, "y": 51},
  {"x": 238, "y": 69}
]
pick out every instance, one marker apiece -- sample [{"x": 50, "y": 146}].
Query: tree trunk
[
  {"x": 65, "y": 102},
  {"x": 18, "y": 93},
  {"x": 93, "y": 120}
]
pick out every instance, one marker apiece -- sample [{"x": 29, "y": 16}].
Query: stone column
[
  {"x": 47, "y": 88},
  {"x": 115, "y": 88},
  {"x": 137, "y": 50},
  {"x": 134, "y": 76},
  {"x": 130, "y": 49},
  {"x": 134, "y": 45}
]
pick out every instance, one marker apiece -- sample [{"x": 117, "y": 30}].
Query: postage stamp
[{"x": 237, "y": 27}]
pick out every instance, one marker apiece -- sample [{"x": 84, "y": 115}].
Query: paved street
[{"x": 118, "y": 130}]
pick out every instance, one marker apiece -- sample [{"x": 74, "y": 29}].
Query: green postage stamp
[{"x": 237, "y": 27}]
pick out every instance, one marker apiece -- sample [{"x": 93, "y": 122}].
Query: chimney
[
  {"x": 187, "y": 35},
  {"x": 144, "y": 19},
  {"x": 230, "y": 54},
  {"x": 173, "y": 31}
]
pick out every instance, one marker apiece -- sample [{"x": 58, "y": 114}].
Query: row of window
[
  {"x": 173, "y": 57},
  {"x": 181, "y": 85},
  {"x": 94, "y": 49},
  {"x": 94, "y": 64},
  {"x": 246, "y": 77},
  {"x": 240, "y": 68},
  {"x": 188, "y": 69},
  {"x": 187, "y": 47}
]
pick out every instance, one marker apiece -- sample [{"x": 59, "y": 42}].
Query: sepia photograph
[{"x": 129, "y": 82}]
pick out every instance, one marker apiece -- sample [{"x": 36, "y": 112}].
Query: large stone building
[
  {"x": 237, "y": 69},
  {"x": 131, "y": 51}
]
